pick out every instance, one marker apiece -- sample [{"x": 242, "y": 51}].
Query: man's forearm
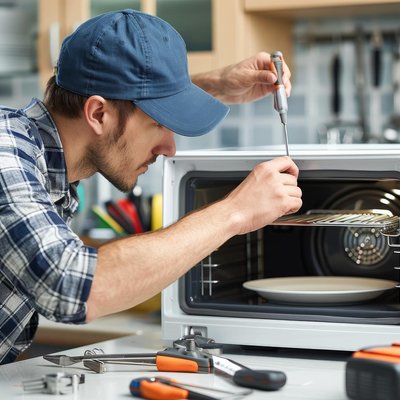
[{"x": 133, "y": 269}]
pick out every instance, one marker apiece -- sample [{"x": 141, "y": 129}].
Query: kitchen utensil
[
  {"x": 280, "y": 99},
  {"x": 321, "y": 290},
  {"x": 376, "y": 68},
  {"x": 360, "y": 84},
  {"x": 391, "y": 132},
  {"x": 338, "y": 131}
]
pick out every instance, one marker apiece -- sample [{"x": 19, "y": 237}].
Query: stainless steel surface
[
  {"x": 355, "y": 219},
  {"x": 286, "y": 138}
]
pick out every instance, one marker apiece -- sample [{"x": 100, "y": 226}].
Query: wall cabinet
[
  {"x": 56, "y": 19},
  {"x": 226, "y": 33},
  {"x": 218, "y": 32}
]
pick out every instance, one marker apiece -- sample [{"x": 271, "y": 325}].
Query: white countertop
[
  {"x": 110, "y": 327},
  {"x": 307, "y": 378}
]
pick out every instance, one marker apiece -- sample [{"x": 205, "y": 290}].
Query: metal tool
[
  {"x": 60, "y": 383},
  {"x": 280, "y": 99},
  {"x": 169, "y": 360},
  {"x": 161, "y": 388},
  {"x": 235, "y": 372},
  {"x": 191, "y": 353}
]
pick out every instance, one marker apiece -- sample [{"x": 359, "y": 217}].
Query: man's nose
[{"x": 169, "y": 147}]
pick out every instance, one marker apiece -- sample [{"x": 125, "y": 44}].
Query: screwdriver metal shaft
[{"x": 280, "y": 99}]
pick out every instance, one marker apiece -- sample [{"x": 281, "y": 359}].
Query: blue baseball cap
[{"x": 129, "y": 55}]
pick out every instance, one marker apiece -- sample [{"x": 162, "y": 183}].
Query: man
[{"x": 120, "y": 91}]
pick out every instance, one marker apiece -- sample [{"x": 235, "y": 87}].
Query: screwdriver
[
  {"x": 163, "y": 389},
  {"x": 242, "y": 376},
  {"x": 280, "y": 99}
]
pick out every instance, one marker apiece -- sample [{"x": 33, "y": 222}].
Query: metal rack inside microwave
[{"x": 381, "y": 220}]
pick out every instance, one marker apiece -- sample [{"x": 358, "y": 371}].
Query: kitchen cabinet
[
  {"x": 222, "y": 31},
  {"x": 228, "y": 32},
  {"x": 56, "y": 19}
]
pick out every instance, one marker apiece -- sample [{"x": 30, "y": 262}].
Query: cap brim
[{"x": 191, "y": 112}]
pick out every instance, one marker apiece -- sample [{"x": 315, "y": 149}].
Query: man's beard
[{"x": 98, "y": 157}]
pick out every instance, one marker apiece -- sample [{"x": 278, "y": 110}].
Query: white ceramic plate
[{"x": 320, "y": 289}]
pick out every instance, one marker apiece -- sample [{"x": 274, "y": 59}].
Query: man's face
[{"x": 121, "y": 158}]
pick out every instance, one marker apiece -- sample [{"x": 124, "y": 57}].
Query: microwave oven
[{"x": 211, "y": 299}]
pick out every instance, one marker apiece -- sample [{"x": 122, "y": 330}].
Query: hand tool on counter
[
  {"x": 235, "y": 372},
  {"x": 60, "y": 383},
  {"x": 374, "y": 373},
  {"x": 161, "y": 388},
  {"x": 280, "y": 99},
  {"x": 191, "y": 353},
  {"x": 169, "y": 360}
]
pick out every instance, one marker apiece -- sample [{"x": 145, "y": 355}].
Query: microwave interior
[{"x": 215, "y": 285}]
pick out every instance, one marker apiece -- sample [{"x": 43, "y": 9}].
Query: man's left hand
[{"x": 246, "y": 81}]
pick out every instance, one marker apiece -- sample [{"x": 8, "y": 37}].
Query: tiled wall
[{"x": 309, "y": 105}]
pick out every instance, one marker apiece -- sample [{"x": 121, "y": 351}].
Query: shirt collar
[{"x": 60, "y": 189}]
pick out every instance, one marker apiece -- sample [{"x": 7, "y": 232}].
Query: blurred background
[{"x": 344, "y": 57}]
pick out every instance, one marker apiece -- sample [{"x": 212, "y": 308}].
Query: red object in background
[{"x": 131, "y": 211}]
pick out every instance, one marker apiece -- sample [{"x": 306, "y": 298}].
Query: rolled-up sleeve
[{"x": 39, "y": 253}]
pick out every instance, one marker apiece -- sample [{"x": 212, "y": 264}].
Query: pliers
[
  {"x": 191, "y": 353},
  {"x": 169, "y": 360}
]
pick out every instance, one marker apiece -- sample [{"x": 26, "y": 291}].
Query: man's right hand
[{"x": 268, "y": 192}]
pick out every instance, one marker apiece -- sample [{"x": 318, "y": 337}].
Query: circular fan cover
[{"x": 358, "y": 251}]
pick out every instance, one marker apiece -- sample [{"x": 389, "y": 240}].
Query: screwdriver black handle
[{"x": 262, "y": 380}]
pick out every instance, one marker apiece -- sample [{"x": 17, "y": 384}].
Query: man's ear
[{"x": 96, "y": 112}]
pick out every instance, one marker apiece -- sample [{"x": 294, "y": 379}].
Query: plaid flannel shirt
[{"x": 44, "y": 267}]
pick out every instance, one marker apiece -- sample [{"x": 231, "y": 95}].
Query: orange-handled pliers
[
  {"x": 169, "y": 360},
  {"x": 160, "y": 388}
]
